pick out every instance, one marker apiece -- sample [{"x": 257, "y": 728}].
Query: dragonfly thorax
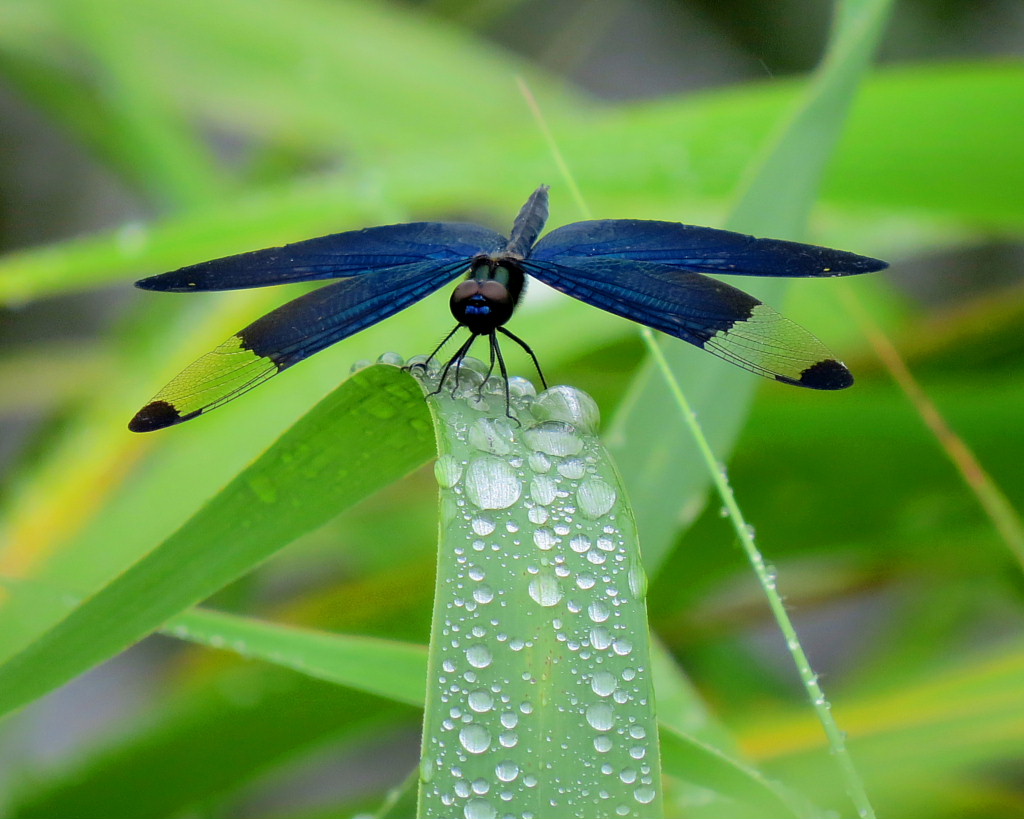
[{"x": 487, "y": 298}]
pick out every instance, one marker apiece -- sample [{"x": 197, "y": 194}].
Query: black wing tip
[
  {"x": 165, "y": 283},
  {"x": 827, "y": 374},
  {"x": 157, "y": 415}
]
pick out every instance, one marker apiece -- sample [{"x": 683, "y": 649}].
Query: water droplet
[
  {"x": 492, "y": 435},
  {"x": 538, "y": 515},
  {"x": 554, "y": 438},
  {"x": 447, "y": 471},
  {"x": 545, "y": 590},
  {"x": 636, "y": 579},
  {"x": 426, "y": 768},
  {"x": 628, "y": 775},
  {"x": 600, "y": 716},
  {"x": 478, "y": 656},
  {"x": 595, "y": 498},
  {"x": 483, "y": 594},
  {"x": 602, "y": 744},
  {"x": 539, "y": 462},
  {"x": 506, "y": 771},
  {"x": 483, "y": 526},
  {"x": 543, "y": 490},
  {"x": 361, "y": 364},
  {"x": 572, "y": 468},
  {"x": 580, "y": 544},
  {"x": 491, "y": 483},
  {"x": 622, "y": 647},
  {"x": 521, "y": 387},
  {"x": 563, "y": 403},
  {"x": 603, "y": 683},
  {"x": 394, "y": 359},
  {"x": 644, "y": 795},
  {"x": 544, "y": 539},
  {"x": 586, "y": 581},
  {"x": 600, "y": 638},
  {"x": 475, "y": 738},
  {"x": 598, "y": 611},
  {"x": 480, "y": 701},
  {"x": 479, "y": 808}
]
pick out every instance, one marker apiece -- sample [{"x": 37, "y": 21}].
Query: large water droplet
[
  {"x": 483, "y": 594},
  {"x": 481, "y": 701},
  {"x": 447, "y": 471},
  {"x": 475, "y": 738},
  {"x": 595, "y": 498},
  {"x": 545, "y": 590},
  {"x": 563, "y": 403},
  {"x": 479, "y": 808},
  {"x": 543, "y": 490},
  {"x": 600, "y": 716},
  {"x": 554, "y": 438},
  {"x": 482, "y": 525},
  {"x": 603, "y": 683},
  {"x": 506, "y": 771},
  {"x": 492, "y": 435},
  {"x": 644, "y": 794},
  {"x": 478, "y": 656},
  {"x": 491, "y": 483}
]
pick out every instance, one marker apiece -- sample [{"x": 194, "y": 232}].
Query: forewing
[
  {"x": 287, "y": 335},
  {"x": 698, "y": 249},
  {"x": 353, "y": 253},
  {"x": 708, "y": 313}
]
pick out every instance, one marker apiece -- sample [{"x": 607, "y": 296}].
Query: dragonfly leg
[{"x": 526, "y": 347}]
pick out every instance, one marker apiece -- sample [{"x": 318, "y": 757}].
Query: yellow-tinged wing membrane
[{"x": 287, "y": 335}]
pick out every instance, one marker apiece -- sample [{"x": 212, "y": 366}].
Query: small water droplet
[
  {"x": 600, "y": 638},
  {"x": 521, "y": 387},
  {"x": 483, "y": 526},
  {"x": 603, "y": 683},
  {"x": 572, "y": 468},
  {"x": 483, "y": 594},
  {"x": 479, "y": 656},
  {"x": 394, "y": 359},
  {"x": 543, "y": 490},
  {"x": 426, "y": 768},
  {"x": 447, "y": 471},
  {"x": 475, "y": 738},
  {"x": 361, "y": 364},
  {"x": 595, "y": 498},
  {"x": 636, "y": 579},
  {"x": 545, "y": 590},
  {"x": 603, "y": 744},
  {"x": 479, "y": 808},
  {"x": 480, "y": 701},
  {"x": 506, "y": 771},
  {"x": 644, "y": 794},
  {"x": 544, "y": 539},
  {"x": 598, "y": 611},
  {"x": 491, "y": 483},
  {"x": 580, "y": 544},
  {"x": 600, "y": 716}
]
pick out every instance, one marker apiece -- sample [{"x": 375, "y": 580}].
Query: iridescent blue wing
[
  {"x": 708, "y": 313},
  {"x": 339, "y": 255},
  {"x": 699, "y": 249},
  {"x": 287, "y": 335}
]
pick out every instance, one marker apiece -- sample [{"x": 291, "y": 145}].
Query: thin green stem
[
  {"x": 991, "y": 498},
  {"x": 766, "y": 577}
]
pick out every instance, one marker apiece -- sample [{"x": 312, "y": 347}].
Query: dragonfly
[{"x": 650, "y": 272}]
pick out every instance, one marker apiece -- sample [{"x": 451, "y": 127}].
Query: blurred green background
[{"x": 137, "y": 138}]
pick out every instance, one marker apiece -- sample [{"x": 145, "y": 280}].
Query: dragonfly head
[{"x": 486, "y": 299}]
